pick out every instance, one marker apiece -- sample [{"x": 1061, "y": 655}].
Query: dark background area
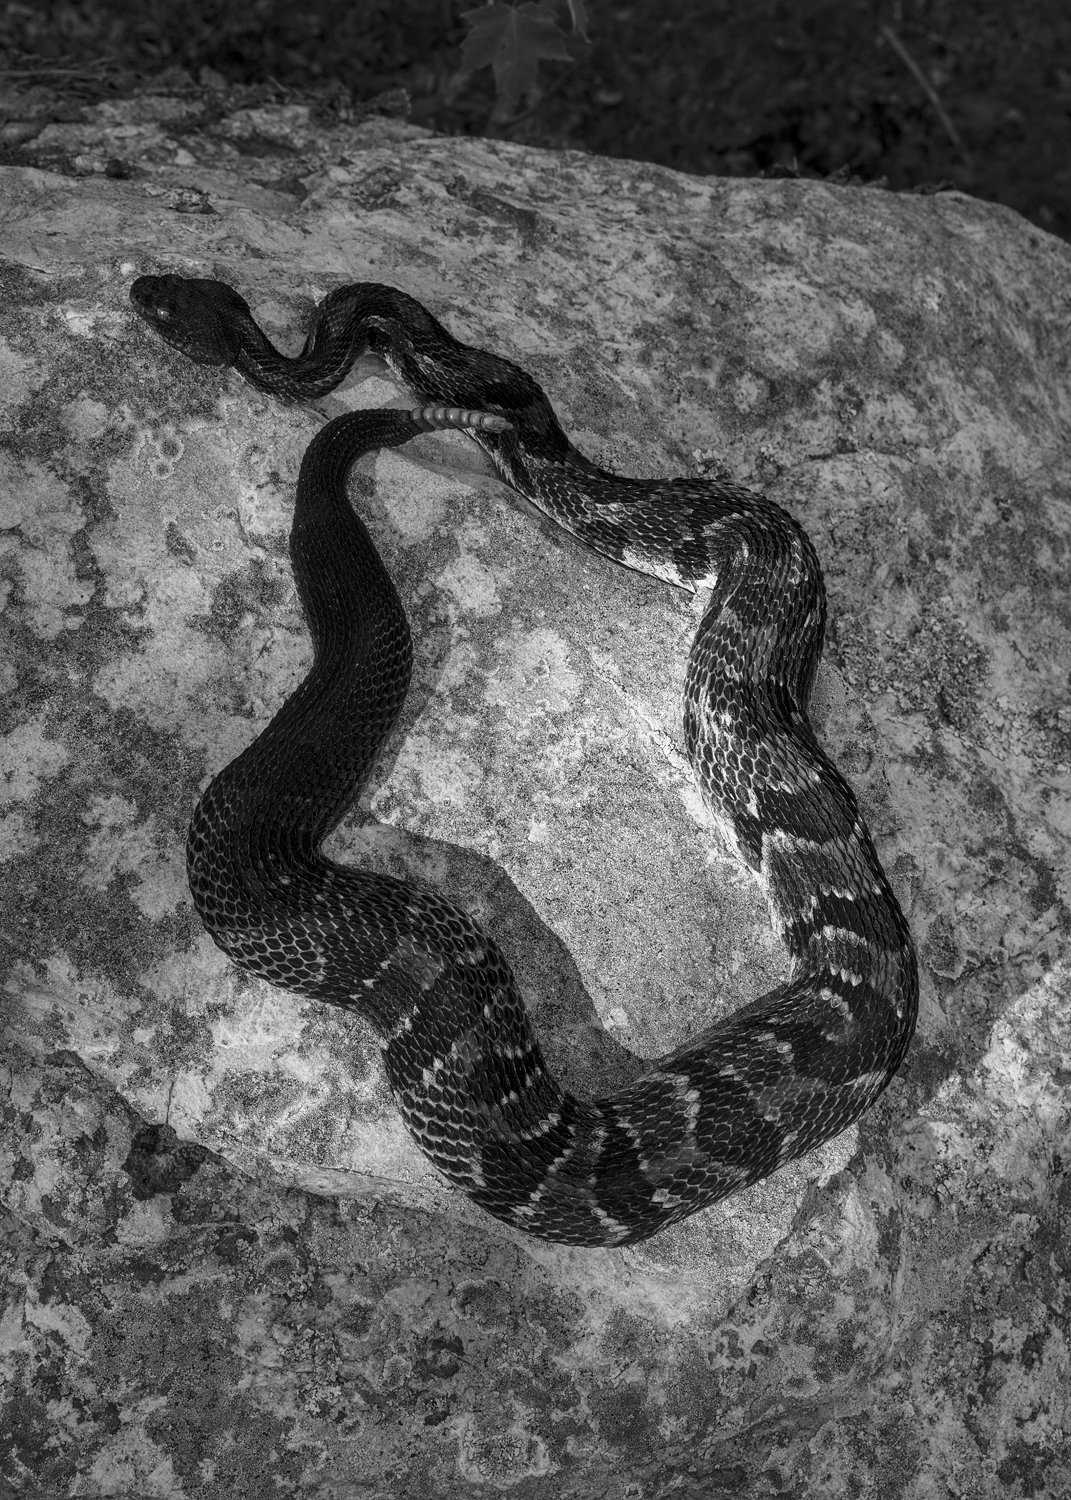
[{"x": 972, "y": 93}]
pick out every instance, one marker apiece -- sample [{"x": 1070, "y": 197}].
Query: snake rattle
[{"x": 766, "y": 1084}]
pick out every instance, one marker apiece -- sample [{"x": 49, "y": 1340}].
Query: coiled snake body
[{"x": 763, "y": 1086}]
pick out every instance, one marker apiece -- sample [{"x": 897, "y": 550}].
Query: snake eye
[{"x": 162, "y": 314}]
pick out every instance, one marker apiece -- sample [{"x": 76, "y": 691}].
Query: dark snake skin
[{"x": 763, "y": 1086}]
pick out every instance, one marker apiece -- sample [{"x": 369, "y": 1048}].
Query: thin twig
[
  {"x": 928, "y": 89},
  {"x": 46, "y": 72}
]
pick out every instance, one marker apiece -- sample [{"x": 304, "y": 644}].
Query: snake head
[{"x": 199, "y": 318}]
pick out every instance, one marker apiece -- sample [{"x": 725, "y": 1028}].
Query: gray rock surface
[{"x": 226, "y": 1269}]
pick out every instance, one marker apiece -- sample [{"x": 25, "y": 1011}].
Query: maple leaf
[{"x": 511, "y": 41}]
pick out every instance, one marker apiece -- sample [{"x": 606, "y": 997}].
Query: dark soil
[{"x": 974, "y": 93}]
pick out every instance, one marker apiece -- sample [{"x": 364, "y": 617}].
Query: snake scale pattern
[{"x": 759, "y": 1088}]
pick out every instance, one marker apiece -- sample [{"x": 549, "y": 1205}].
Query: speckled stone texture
[{"x": 226, "y": 1270}]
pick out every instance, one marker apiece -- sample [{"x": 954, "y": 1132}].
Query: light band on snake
[{"x": 770, "y": 1081}]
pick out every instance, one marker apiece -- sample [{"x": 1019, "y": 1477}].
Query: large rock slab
[{"x": 226, "y": 1264}]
